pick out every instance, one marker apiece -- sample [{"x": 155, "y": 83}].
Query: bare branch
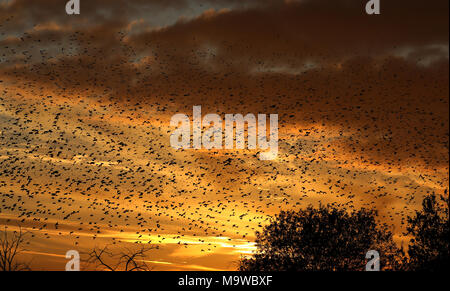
[
  {"x": 128, "y": 260},
  {"x": 10, "y": 248}
]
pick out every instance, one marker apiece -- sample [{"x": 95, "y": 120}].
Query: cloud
[{"x": 111, "y": 39}]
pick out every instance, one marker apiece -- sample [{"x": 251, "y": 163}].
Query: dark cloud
[
  {"x": 317, "y": 62},
  {"x": 290, "y": 34},
  {"x": 275, "y": 33}
]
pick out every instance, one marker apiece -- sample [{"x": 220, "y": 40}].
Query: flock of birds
[{"x": 85, "y": 151}]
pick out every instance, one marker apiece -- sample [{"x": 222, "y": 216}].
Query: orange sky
[{"x": 85, "y": 156}]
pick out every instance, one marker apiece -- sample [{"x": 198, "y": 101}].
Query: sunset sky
[{"x": 86, "y": 102}]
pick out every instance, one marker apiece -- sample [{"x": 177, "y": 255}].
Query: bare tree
[
  {"x": 128, "y": 260},
  {"x": 10, "y": 249}
]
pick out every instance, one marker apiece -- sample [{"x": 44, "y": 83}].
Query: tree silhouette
[
  {"x": 10, "y": 249},
  {"x": 429, "y": 247},
  {"x": 128, "y": 260},
  {"x": 323, "y": 239}
]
